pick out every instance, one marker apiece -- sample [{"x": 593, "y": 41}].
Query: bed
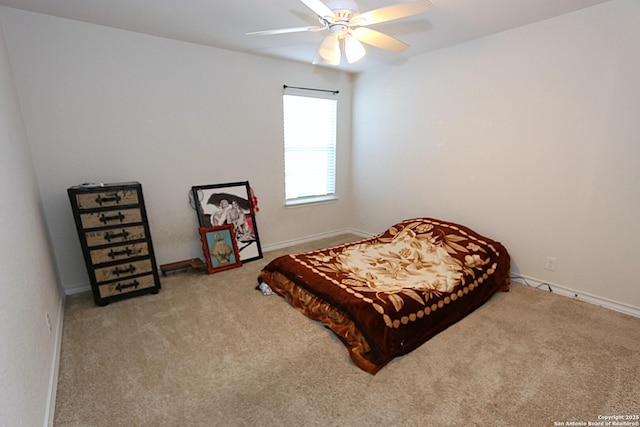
[{"x": 386, "y": 295}]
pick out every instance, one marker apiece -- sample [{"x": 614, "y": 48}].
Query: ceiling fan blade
[
  {"x": 320, "y": 9},
  {"x": 378, "y": 39},
  {"x": 285, "y": 31},
  {"x": 390, "y": 13}
]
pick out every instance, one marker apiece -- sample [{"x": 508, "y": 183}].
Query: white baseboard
[
  {"x": 579, "y": 295},
  {"x": 53, "y": 377},
  {"x": 312, "y": 238},
  {"x": 78, "y": 289},
  {"x": 530, "y": 281}
]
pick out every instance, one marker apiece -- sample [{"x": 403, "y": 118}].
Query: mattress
[{"x": 387, "y": 295}]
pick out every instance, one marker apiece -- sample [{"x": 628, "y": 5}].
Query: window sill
[{"x": 306, "y": 201}]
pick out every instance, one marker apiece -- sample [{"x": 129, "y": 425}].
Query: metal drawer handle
[
  {"x": 100, "y": 200},
  {"x": 122, "y": 286},
  {"x": 105, "y": 219},
  {"x": 108, "y": 236},
  {"x": 127, "y": 251},
  {"x": 129, "y": 269}
]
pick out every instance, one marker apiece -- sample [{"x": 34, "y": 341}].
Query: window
[{"x": 309, "y": 147}]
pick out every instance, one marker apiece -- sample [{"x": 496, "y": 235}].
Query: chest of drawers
[{"x": 116, "y": 244}]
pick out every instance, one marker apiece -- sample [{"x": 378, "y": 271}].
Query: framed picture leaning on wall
[
  {"x": 230, "y": 204},
  {"x": 220, "y": 248}
]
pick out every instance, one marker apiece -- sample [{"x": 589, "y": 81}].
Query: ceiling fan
[{"x": 346, "y": 24}]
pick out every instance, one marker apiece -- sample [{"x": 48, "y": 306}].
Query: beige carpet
[{"x": 212, "y": 351}]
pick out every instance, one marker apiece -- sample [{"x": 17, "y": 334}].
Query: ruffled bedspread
[{"x": 387, "y": 295}]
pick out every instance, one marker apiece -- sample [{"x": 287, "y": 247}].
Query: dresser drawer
[
  {"x": 125, "y": 286},
  {"x": 108, "y": 218},
  {"x": 119, "y": 253},
  {"x": 121, "y": 271},
  {"x": 116, "y": 235},
  {"x": 107, "y": 199}
]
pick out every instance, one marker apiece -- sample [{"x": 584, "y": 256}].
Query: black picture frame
[{"x": 230, "y": 203}]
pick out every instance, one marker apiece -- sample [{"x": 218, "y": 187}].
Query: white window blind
[{"x": 309, "y": 147}]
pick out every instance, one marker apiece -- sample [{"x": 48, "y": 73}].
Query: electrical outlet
[{"x": 550, "y": 263}]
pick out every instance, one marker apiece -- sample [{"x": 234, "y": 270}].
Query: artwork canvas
[{"x": 230, "y": 204}]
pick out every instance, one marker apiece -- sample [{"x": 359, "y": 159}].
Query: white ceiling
[{"x": 223, "y": 24}]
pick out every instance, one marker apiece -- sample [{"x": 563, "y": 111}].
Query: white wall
[
  {"x": 106, "y": 105},
  {"x": 28, "y": 283},
  {"x": 530, "y": 136}
]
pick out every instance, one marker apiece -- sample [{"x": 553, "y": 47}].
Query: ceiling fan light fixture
[
  {"x": 330, "y": 50},
  {"x": 353, "y": 49}
]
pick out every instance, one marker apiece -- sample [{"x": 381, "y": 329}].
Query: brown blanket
[{"x": 385, "y": 296}]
